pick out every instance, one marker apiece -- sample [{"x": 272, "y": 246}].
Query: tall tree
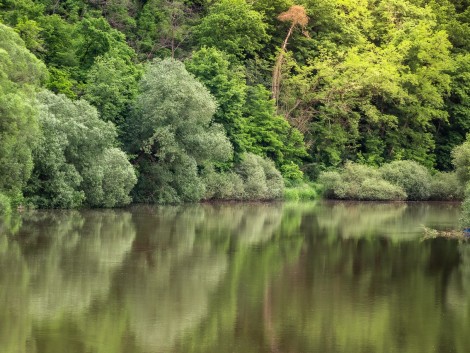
[
  {"x": 172, "y": 136},
  {"x": 75, "y": 161},
  {"x": 20, "y": 75},
  {"x": 298, "y": 17},
  {"x": 111, "y": 86},
  {"x": 247, "y": 112},
  {"x": 233, "y": 27}
]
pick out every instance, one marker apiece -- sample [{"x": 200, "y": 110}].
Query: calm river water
[{"x": 290, "y": 278}]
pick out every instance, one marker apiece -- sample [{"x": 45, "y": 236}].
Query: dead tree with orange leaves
[{"x": 298, "y": 16}]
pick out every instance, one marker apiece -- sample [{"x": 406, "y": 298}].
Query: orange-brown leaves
[{"x": 296, "y": 14}]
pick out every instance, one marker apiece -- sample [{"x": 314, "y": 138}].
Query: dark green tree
[
  {"x": 234, "y": 27},
  {"x": 247, "y": 112},
  {"x": 111, "y": 86}
]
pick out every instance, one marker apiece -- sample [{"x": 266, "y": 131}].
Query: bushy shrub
[
  {"x": 329, "y": 181},
  {"x": 222, "y": 186},
  {"x": 356, "y": 173},
  {"x": 173, "y": 134},
  {"x": 465, "y": 215},
  {"x": 359, "y": 182},
  {"x": 255, "y": 178},
  {"x": 5, "y": 207},
  {"x": 109, "y": 179},
  {"x": 163, "y": 185},
  {"x": 378, "y": 189},
  {"x": 252, "y": 173},
  {"x": 414, "y": 178},
  {"x": 461, "y": 161},
  {"x": 446, "y": 186},
  {"x": 74, "y": 159},
  {"x": 292, "y": 174},
  {"x": 261, "y": 179},
  {"x": 300, "y": 193},
  {"x": 274, "y": 180}
]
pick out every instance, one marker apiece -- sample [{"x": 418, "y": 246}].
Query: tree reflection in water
[{"x": 333, "y": 277}]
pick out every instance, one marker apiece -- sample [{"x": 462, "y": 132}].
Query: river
[{"x": 262, "y": 277}]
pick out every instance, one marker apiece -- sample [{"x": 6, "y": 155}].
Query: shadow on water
[{"x": 327, "y": 277}]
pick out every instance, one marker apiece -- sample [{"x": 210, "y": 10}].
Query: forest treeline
[{"x": 107, "y": 102}]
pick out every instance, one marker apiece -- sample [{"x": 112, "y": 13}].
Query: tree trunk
[{"x": 277, "y": 71}]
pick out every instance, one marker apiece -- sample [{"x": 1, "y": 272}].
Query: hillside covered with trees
[{"x": 105, "y": 102}]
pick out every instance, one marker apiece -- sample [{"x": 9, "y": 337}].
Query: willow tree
[
  {"x": 172, "y": 135},
  {"x": 298, "y": 17},
  {"x": 75, "y": 158},
  {"x": 20, "y": 75}
]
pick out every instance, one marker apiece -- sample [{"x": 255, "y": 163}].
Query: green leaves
[
  {"x": 172, "y": 135},
  {"x": 246, "y": 112},
  {"x": 112, "y": 86},
  {"x": 367, "y": 81},
  {"x": 377, "y": 100},
  {"x": 75, "y": 161},
  {"x": 234, "y": 27},
  {"x": 20, "y": 74}
]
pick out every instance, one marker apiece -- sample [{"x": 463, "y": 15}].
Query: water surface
[{"x": 313, "y": 277}]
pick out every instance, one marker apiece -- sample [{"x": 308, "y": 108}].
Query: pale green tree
[
  {"x": 75, "y": 161},
  {"x": 172, "y": 135},
  {"x": 20, "y": 75}
]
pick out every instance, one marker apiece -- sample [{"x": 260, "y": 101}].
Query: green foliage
[
  {"x": 397, "y": 180},
  {"x": 446, "y": 186},
  {"x": 5, "y": 206},
  {"x": 359, "y": 182},
  {"x": 59, "y": 42},
  {"x": 13, "y": 11},
  {"x": 375, "y": 100},
  {"x": 164, "y": 28},
  {"x": 414, "y": 178},
  {"x": 60, "y": 81},
  {"x": 302, "y": 192},
  {"x": 270, "y": 135},
  {"x": 233, "y": 27},
  {"x": 172, "y": 136},
  {"x": 465, "y": 214},
  {"x": 223, "y": 185},
  {"x": 109, "y": 179},
  {"x": 96, "y": 39},
  {"x": 255, "y": 178},
  {"x": 29, "y": 31},
  {"x": 227, "y": 84},
  {"x": 370, "y": 82},
  {"x": 248, "y": 113},
  {"x": 20, "y": 73},
  {"x": 74, "y": 160},
  {"x": 111, "y": 86},
  {"x": 292, "y": 174},
  {"x": 118, "y": 13},
  {"x": 452, "y": 133},
  {"x": 461, "y": 161},
  {"x": 261, "y": 179}
]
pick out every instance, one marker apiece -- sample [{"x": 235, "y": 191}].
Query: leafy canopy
[
  {"x": 172, "y": 135},
  {"x": 20, "y": 75}
]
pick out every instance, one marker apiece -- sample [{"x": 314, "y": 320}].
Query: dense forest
[{"x": 105, "y": 102}]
